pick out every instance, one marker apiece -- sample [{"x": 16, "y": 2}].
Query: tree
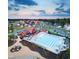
[{"x": 10, "y": 28}]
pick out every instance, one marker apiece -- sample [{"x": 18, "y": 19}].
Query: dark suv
[{"x": 16, "y": 48}]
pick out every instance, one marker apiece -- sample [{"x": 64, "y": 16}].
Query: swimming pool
[{"x": 50, "y": 42}]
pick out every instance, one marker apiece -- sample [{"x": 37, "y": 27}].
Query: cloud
[
  {"x": 61, "y": 14},
  {"x": 39, "y": 8},
  {"x": 25, "y": 2},
  {"x": 18, "y": 4},
  {"x": 63, "y": 6},
  {"x": 24, "y": 12},
  {"x": 12, "y": 5}
]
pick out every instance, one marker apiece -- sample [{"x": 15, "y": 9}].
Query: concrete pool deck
[{"x": 25, "y": 51}]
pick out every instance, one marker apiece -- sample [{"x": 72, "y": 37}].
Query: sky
[{"x": 38, "y": 8}]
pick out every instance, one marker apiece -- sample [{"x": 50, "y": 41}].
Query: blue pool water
[{"x": 50, "y": 42}]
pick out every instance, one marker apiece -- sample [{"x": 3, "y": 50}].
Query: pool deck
[{"x": 25, "y": 51}]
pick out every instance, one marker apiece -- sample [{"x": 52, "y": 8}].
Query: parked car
[{"x": 16, "y": 48}]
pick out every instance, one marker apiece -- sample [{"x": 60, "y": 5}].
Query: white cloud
[
  {"x": 47, "y": 6},
  {"x": 24, "y": 12},
  {"x": 49, "y": 11}
]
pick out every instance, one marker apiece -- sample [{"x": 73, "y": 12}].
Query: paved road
[
  {"x": 25, "y": 51},
  {"x": 25, "y": 57}
]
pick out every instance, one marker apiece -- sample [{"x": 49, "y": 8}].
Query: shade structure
[{"x": 49, "y": 42}]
